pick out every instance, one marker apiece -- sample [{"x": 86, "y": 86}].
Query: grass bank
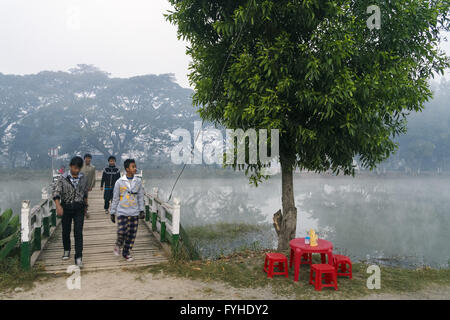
[
  {"x": 222, "y": 230},
  {"x": 244, "y": 270},
  {"x": 12, "y": 276},
  {"x": 218, "y": 239}
]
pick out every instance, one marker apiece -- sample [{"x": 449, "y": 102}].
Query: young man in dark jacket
[
  {"x": 109, "y": 177},
  {"x": 70, "y": 194}
]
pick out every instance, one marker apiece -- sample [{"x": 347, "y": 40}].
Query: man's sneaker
[
  {"x": 66, "y": 255},
  {"x": 79, "y": 262},
  {"x": 129, "y": 258},
  {"x": 87, "y": 215},
  {"x": 117, "y": 250},
  {"x": 106, "y": 211}
]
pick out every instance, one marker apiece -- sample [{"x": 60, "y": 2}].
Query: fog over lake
[
  {"x": 23, "y": 186},
  {"x": 393, "y": 220}
]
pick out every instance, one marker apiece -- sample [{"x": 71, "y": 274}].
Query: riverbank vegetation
[
  {"x": 222, "y": 230},
  {"x": 13, "y": 277},
  {"x": 244, "y": 269}
]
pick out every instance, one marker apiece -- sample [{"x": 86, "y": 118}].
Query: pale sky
[{"x": 123, "y": 37}]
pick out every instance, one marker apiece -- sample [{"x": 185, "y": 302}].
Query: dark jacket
[
  {"x": 110, "y": 176},
  {"x": 67, "y": 193}
]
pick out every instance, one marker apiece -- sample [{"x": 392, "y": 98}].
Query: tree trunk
[{"x": 285, "y": 223}]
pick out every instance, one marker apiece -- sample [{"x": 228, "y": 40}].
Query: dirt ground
[
  {"x": 432, "y": 293},
  {"x": 131, "y": 285},
  {"x": 136, "y": 285}
]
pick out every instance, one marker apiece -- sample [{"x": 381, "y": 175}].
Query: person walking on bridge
[
  {"x": 109, "y": 177},
  {"x": 70, "y": 195},
  {"x": 89, "y": 171},
  {"x": 128, "y": 205}
]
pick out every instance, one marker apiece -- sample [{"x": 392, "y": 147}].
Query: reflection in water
[
  {"x": 405, "y": 220},
  {"x": 387, "y": 220},
  {"x": 376, "y": 218},
  {"x": 210, "y": 201}
]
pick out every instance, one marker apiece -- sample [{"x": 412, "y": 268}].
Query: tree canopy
[
  {"x": 333, "y": 86},
  {"x": 314, "y": 70}
]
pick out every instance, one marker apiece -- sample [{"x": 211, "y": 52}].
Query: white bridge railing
[
  {"x": 164, "y": 219},
  {"x": 36, "y": 225},
  {"x": 163, "y": 216}
]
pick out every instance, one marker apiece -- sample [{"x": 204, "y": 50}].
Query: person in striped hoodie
[{"x": 70, "y": 194}]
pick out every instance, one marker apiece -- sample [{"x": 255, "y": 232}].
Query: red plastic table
[{"x": 298, "y": 248}]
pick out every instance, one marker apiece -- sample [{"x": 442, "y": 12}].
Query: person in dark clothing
[
  {"x": 109, "y": 177},
  {"x": 70, "y": 194}
]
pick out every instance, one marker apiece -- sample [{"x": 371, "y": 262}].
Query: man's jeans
[
  {"x": 108, "y": 196},
  {"x": 77, "y": 216}
]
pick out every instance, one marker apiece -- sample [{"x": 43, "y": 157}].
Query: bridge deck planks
[{"x": 99, "y": 235}]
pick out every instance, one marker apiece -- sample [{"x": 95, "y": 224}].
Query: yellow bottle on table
[{"x": 313, "y": 238}]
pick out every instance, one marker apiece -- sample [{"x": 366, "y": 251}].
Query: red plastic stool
[
  {"x": 282, "y": 264},
  {"x": 342, "y": 261},
  {"x": 320, "y": 269}
]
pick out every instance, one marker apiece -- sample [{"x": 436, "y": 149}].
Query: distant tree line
[
  {"x": 85, "y": 110},
  {"x": 426, "y": 146}
]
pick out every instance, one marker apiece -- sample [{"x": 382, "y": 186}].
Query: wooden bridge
[{"x": 41, "y": 234}]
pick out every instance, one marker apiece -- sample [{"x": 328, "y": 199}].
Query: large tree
[
  {"x": 313, "y": 69},
  {"x": 86, "y": 110}
]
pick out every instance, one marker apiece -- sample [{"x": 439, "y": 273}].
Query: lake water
[
  {"x": 22, "y": 186},
  {"x": 397, "y": 221}
]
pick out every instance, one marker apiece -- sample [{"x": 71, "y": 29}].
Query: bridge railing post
[
  {"x": 53, "y": 217},
  {"x": 163, "y": 223},
  {"x": 37, "y": 229},
  {"x": 40, "y": 214},
  {"x": 154, "y": 209},
  {"x": 46, "y": 213},
  {"x": 52, "y": 209},
  {"x": 25, "y": 226},
  {"x": 147, "y": 209},
  {"x": 35, "y": 222},
  {"x": 176, "y": 221}
]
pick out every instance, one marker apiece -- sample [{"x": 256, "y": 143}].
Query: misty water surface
[
  {"x": 398, "y": 221},
  {"x": 22, "y": 186},
  {"x": 403, "y": 221}
]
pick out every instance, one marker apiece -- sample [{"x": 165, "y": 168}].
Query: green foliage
[
  {"x": 313, "y": 69},
  {"x": 188, "y": 250},
  {"x": 9, "y": 232},
  {"x": 221, "y": 230}
]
